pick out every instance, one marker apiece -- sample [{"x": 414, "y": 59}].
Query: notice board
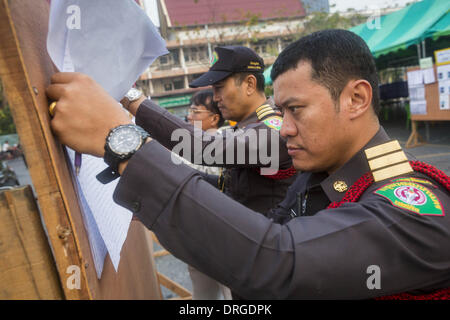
[{"x": 433, "y": 113}]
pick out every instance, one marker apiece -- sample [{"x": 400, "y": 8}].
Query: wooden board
[
  {"x": 432, "y": 98},
  {"x": 27, "y": 269},
  {"x": 25, "y": 70}
]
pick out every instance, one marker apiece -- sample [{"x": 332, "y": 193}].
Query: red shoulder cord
[
  {"x": 361, "y": 185},
  {"x": 281, "y": 174}
]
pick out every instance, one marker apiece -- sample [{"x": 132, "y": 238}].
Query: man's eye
[
  {"x": 277, "y": 109},
  {"x": 294, "y": 109}
]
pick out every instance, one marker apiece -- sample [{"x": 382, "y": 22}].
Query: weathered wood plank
[{"x": 27, "y": 269}]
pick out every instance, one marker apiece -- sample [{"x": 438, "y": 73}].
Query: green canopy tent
[
  {"x": 403, "y": 37},
  {"x": 405, "y": 27},
  {"x": 427, "y": 19},
  {"x": 267, "y": 78}
]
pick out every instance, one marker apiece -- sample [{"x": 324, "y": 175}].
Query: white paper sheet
[
  {"x": 418, "y": 107},
  {"x": 444, "y": 102},
  {"x": 444, "y": 87},
  {"x": 114, "y": 43},
  {"x": 415, "y": 78},
  {"x": 428, "y": 76},
  {"x": 417, "y": 92},
  {"x": 443, "y": 72},
  {"x": 112, "y": 220}
]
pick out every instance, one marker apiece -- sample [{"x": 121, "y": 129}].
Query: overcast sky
[{"x": 343, "y": 5}]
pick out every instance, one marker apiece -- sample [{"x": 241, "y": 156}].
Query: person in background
[{"x": 205, "y": 115}]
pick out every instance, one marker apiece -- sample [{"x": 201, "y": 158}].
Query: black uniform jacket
[
  {"x": 316, "y": 253},
  {"x": 239, "y": 152}
]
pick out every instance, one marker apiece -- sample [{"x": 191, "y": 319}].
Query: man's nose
[
  {"x": 215, "y": 96},
  {"x": 288, "y": 128}
]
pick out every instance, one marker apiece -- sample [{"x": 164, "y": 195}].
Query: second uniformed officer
[{"x": 236, "y": 75}]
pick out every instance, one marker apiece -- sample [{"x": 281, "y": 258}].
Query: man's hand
[
  {"x": 133, "y": 106},
  {"x": 84, "y": 112}
]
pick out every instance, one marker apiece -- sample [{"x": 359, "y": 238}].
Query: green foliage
[
  {"x": 317, "y": 21},
  {"x": 7, "y": 125},
  {"x": 268, "y": 90}
]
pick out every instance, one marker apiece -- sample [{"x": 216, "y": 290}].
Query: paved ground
[{"x": 436, "y": 152}]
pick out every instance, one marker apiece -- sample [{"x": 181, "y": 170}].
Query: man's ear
[
  {"x": 215, "y": 120},
  {"x": 356, "y": 98},
  {"x": 250, "y": 81}
]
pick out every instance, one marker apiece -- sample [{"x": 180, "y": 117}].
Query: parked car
[{"x": 8, "y": 177}]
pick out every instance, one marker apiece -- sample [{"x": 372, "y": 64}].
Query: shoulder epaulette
[
  {"x": 264, "y": 111},
  {"x": 269, "y": 117},
  {"x": 387, "y": 160}
]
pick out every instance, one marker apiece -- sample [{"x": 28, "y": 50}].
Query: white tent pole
[{"x": 424, "y": 52}]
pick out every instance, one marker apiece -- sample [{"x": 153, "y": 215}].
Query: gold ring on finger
[{"x": 51, "y": 109}]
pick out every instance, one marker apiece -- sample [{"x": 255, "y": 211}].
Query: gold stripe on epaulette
[
  {"x": 264, "y": 111},
  {"x": 262, "y": 115},
  {"x": 382, "y": 149},
  {"x": 387, "y": 160},
  {"x": 262, "y": 108},
  {"x": 393, "y": 171}
]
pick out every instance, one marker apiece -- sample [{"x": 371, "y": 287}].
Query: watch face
[
  {"x": 133, "y": 94},
  {"x": 125, "y": 140}
]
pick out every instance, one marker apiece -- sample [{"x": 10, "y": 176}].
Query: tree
[
  {"x": 7, "y": 125},
  {"x": 317, "y": 21}
]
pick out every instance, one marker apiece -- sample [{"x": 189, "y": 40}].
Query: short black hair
[
  {"x": 260, "y": 80},
  {"x": 206, "y": 98},
  {"x": 336, "y": 56}
]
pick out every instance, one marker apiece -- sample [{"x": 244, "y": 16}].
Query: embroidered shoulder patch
[
  {"x": 412, "y": 197},
  {"x": 274, "y": 122},
  {"x": 414, "y": 180}
]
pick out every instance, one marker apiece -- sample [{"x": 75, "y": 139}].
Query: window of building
[
  {"x": 266, "y": 47},
  {"x": 196, "y": 54},
  {"x": 178, "y": 84},
  {"x": 192, "y": 77},
  {"x": 164, "y": 60},
  {"x": 168, "y": 86},
  {"x": 170, "y": 60}
]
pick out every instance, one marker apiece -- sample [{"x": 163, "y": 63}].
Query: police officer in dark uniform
[
  {"x": 361, "y": 221},
  {"x": 236, "y": 75}
]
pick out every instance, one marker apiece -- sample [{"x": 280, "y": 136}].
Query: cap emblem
[{"x": 214, "y": 59}]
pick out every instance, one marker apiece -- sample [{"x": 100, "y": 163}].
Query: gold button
[{"x": 340, "y": 186}]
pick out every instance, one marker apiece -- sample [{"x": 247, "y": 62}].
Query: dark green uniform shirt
[{"x": 303, "y": 251}]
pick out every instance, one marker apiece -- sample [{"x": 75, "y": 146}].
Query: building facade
[{"x": 192, "y": 28}]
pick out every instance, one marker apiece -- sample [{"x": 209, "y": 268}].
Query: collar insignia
[{"x": 340, "y": 186}]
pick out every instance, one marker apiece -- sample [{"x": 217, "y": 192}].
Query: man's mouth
[{"x": 293, "y": 149}]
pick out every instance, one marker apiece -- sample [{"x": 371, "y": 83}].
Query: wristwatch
[
  {"x": 133, "y": 94},
  {"x": 121, "y": 143}
]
